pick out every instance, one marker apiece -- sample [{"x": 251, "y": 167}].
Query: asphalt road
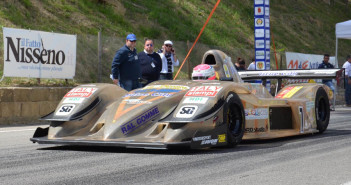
[{"x": 313, "y": 159}]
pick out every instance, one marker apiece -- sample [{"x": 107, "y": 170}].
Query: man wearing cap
[
  {"x": 169, "y": 59},
  {"x": 126, "y": 70}
]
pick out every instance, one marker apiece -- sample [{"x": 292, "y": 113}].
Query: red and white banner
[
  {"x": 80, "y": 92},
  {"x": 204, "y": 91},
  {"x": 305, "y": 61}
]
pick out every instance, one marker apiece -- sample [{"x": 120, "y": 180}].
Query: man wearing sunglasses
[
  {"x": 126, "y": 70},
  {"x": 150, "y": 63},
  {"x": 169, "y": 59}
]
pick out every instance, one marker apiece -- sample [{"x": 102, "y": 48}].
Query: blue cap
[{"x": 131, "y": 37}]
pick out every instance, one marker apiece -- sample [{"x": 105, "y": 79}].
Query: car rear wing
[
  {"x": 337, "y": 74},
  {"x": 292, "y": 74}
]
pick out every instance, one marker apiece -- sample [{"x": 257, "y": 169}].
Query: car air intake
[{"x": 280, "y": 118}]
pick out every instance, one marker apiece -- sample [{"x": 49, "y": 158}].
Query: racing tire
[
  {"x": 234, "y": 117},
  {"x": 322, "y": 110}
]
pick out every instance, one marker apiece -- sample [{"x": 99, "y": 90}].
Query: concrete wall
[{"x": 28, "y": 104}]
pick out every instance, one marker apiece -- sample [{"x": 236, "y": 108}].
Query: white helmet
[{"x": 203, "y": 72}]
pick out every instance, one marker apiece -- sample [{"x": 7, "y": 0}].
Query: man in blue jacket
[{"x": 126, "y": 70}]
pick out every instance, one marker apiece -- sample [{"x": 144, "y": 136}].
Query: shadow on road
[{"x": 245, "y": 145}]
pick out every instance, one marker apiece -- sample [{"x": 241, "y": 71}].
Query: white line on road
[{"x": 16, "y": 130}]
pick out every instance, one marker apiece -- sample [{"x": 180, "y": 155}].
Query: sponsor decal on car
[
  {"x": 221, "y": 138},
  {"x": 162, "y": 94},
  {"x": 73, "y": 100},
  {"x": 278, "y": 73},
  {"x": 65, "y": 109},
  {"x": 204, "y": 91},
  {"x": 255, "y": 129},
  {"x": 81, "y": 92},
  {"x": 136, "y": 101},
  {"x": 140, "y": 120},
  {"x": 309, "y": 106},
  {"x": 226, "y": 70},
  {"x": 175, "y": 87},
  {"x": 122, "y": 109},
  {"x": 147, "y": 94},
  {"x": 187, "y": 111},
  {"x": 156, "y": 90},
  {"x": 232, "y": 69},
  {"x": 201, "y": 138},
  {"x": 200, "y": 100},
  {"x": 206, "y": 140},
  {"x": 259, "y": 113},
  {"x": 288, "y": 92},
  {"x": 136, "y": 94}
]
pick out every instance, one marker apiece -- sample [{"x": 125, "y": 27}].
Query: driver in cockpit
[{"x": 203, "y": 72}]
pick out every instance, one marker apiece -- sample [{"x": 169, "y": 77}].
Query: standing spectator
[
  {"x": 347, "y": 68},
  {"x": 349, "y": 83},
  {"x": 252, "y": 65},
  {"x": 169, "y": 59},
  {"x": 126, "y": 66},
  {"x": 240, "y": 65},
  {"x": 150, "y": 62},
  {"x": 326, "y": 65}
]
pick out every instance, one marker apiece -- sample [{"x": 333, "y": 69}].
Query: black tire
[
  {"x": 234, "y": 117},
  {"x": 322, "y": 109}
]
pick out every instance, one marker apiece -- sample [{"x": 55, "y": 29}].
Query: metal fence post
[
  {"x": 189, "y": 72},
  {"x": 99, "y": 56}
]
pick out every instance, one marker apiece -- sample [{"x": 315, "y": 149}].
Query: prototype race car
[{"x": 198, "y": 114}]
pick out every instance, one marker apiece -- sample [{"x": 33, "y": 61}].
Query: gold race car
[{"x": 190, "y": 113}]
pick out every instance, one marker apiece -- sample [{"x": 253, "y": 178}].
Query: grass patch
[
  {"x": 298, "y": 26},
  {"x": 29, "y": 82}
]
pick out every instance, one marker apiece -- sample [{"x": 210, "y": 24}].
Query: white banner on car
[
  {"x": 305, "y": 61},
  {"x": 38, "y": 54}
]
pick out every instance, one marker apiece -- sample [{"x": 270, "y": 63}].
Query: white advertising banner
[
  {"x": 305, "y": 61},
  {"x": 38, "y": 54}
]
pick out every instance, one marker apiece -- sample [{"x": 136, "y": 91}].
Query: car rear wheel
[
  {"x": 234, "y": 117},
  {"x": 322, "y": 109}
]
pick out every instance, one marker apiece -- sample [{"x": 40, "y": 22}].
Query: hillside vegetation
[{"x": 297, "y": 26}]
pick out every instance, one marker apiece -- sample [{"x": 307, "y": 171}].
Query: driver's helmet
[{"x": 203, "y": 72}]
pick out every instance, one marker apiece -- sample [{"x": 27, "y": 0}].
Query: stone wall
[{"x": 27, "y": 104}]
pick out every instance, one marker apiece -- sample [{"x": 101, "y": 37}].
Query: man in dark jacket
[
  {"x": 126, "y": 66},
  {"x": 150, "y": 63},
  {"x": 326, "y": 65}
]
